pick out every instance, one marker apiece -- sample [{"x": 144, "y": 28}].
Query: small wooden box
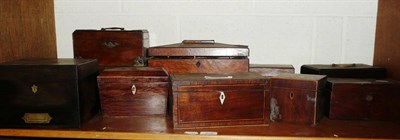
[
  {"x": 204, "y": 100},
  {"x": 345, "y": 70},
  {"x": 364, "y": 99},
  {"x": 271, "y": 69},
  {"x": 48, "y": 92},
  {"x": 200, "y": 56},
  {"x": 112, "y": 46},
  {"x": 133, "y": 91},
  {"x": 298, "y": 98}
]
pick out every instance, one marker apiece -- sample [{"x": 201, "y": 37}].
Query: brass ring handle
[{"x": 133, "y": 89}]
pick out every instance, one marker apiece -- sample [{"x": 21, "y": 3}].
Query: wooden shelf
[{"x": 160, "y": 128}]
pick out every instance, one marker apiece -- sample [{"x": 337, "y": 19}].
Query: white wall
[{"x": 277, "y": 31}]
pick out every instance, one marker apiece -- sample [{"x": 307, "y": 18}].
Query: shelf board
[{"x": 157, "y": 127}]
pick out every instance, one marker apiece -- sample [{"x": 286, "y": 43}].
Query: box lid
[
  {"x": 48, "y": 69},
  {"x": 199, "y": 48},
  {"x": 272, "y": 66},
  {"x": 199, "y": 79},
  {"x": 133, "y": 74},
  {"x": 345, "y": 70},
  {"x": 300, "y": 81},
  {"x": 110, "y": 33},
  {"x": 378, "y": 84}
]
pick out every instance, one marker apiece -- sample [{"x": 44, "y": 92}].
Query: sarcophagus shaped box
[
  {"x": 133, "y": 91},
  {"x": 112, "y": 46},
  {"x": 298, "y": 98},
  {"x": 204, "y": 100},
  {"x": 48, "y": 92},
  {"x": 200, "y": 56}
]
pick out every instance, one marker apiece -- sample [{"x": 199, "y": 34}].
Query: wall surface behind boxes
[{"x": 277, "y": 31}]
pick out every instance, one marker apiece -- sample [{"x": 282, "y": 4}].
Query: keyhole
[
  {"x": 291, "y": 96},
  {"x": 222, "y": 97},
  {"x": 198, "y": 64}
]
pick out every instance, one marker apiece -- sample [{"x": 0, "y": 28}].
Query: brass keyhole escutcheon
[
  {"x": 291, "y": 95},
  {"x": 34, "y": 88}
]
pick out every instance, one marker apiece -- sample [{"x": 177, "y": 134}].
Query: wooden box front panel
[
  {"x": 133, "y": 91},
  {"x": 219, "y": 108},
  {"x": 117, "y": 99},
  {"x": 62, "y": 93},
  {"x": 178, "y": 66},
  {"x": 111, "y": 48},
  {"x": 354, "y": 101},
  {"x": 295, "y": 106}
]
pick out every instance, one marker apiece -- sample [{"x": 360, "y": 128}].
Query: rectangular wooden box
[
  {"x": 112, "y": 46},
  {"x": 204, "y": 100},
  {"x": 48, "y": 92},
  {"x": 133, "y": 91},
  {"x": 298, "y": 98},
  {"x": 200, "y": 56},
  {"x": 345, "y": 70},
  {"x": 364, "y": 99},
  {"x": 271, "y": 69}
]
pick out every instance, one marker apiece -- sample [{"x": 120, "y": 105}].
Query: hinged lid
[
  {"x": 352, "y": 70},
  {"x": 299, "y": 81},
  {"x": 49, "y": 69},
  {"x": 133, "y": 74},
  {"x": 199, "y": 48},
  {"x": 110, "y": 33},
  {"x": 378, "y": 84},
  {"x": 201, "y": 79}
]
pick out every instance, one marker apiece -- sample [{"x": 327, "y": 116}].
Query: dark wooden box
[
  {"x": 345, "y": 70},
  {"x": 204, "y": 100},
  {"x": 298, "y": 98},
  {"x": 48, "y": 92},
  {"x": 199, "y": 56},
  {"x": 271, "y": 69},
  {"x": 112, "y": 46},
  {"x": 133, "y": 91},
  {"x": 364, "y": 99}
]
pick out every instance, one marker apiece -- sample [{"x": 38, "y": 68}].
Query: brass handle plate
[
  {"x": 222, "y": 97},
  {"x": 133, "y": 89},
  {"x": 110, "y": 44},
  {"x": 39, "y": 118}
]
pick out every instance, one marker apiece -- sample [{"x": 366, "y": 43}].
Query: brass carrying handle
[
  {"x": 113, "y": 28},
  {"x": 344, "y": 65},
  {"x": 133, "y": 89},
  {"x": 198, "y": 41}
]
